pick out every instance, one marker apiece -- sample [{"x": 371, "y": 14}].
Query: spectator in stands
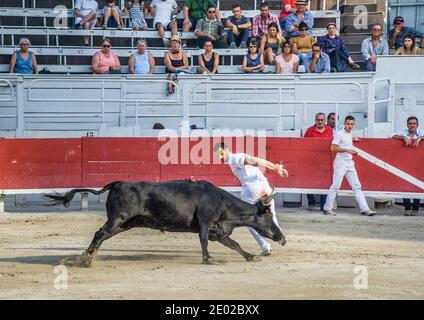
[
  {"x": 208, "y": 61},
  {"x": 412, "y": 137},
  {"x": 158, "y": 126},
  {"x": 287, "y": 62},
  {"x": 399, "y": 31},
  {"x": 142, "y": 61},
  {"x": 334, "y": 46},
  {"x": 331, "y": 121},
  {"x": 135, "y": 9},
  {"x": 253, "y": 61},
  {"x": 287, "y": 7},
  {"x": 105, "y": 61},
  {"x": 194, "y": 10},
  {"x": 302, "y": 44},
  {"x": 210, "y": 28},
  {"x": 317, "y": 61},
  {"x": 319, "y": 130},
  {"x": 238, "y": 25},
  {"x": 23, "y": 61},
  {"x": 165, "y": 17},
  {"x": 293, "y": 21},
  {"x": 374, "y": 46},
  {"x": 271, "y": 43},
  {"x": 176, "y": 62},
  {"x": 85, "y": 12},
  {"x": 262, "y": 20},
  {"x": 112, "y": 15},
  {"x": 408, "y": 48}
]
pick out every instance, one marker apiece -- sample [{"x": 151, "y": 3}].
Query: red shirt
[
  {"x": 283, "y": 12},
  {"x": 313, "y": 133}
]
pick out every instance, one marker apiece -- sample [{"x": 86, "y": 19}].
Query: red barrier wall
[
  {"x": 94, "y": 162},
  {"x": 2, "y": 173},
  {"x": 41, "y": 163}
]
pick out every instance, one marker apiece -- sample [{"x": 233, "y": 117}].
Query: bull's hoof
[
  {"x": 86, "y": 259},
  {"x": 68, "y": 262},
  {"x": 210, "y": 261},
  {"x": 254, "y": 258},
  {"x": 283, "y": 242}
]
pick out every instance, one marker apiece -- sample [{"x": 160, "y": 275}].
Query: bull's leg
[
  {"x": 230, "y": 243},
  {"x": 204, "y": 238}
]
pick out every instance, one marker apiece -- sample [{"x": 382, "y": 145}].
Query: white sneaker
[
  {"x": 329, "y": 213},
  {"x": 266, "y": 252}
]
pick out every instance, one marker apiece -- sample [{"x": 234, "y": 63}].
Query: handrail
[{"x": 12, "y": 91}]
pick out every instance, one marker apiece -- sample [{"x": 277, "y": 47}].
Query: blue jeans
[
  {"x": 311, "y": 200},
  {"x": 339, "y": 62},
  {"x": 302, "y": 57},
  {"x": 243, "y": 35}
]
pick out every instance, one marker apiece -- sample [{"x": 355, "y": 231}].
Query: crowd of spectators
[{"x": 286, "y": 41}]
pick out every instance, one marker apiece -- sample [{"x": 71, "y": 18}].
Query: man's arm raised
[{"x": 262, "y": 163}]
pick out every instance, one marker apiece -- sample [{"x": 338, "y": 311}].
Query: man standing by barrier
[
  {"x": 254, "y": 184},
  {"x": 412, "y": 137},
  {"x": 344, "y": 166},
  {"x": 319, "y": 130}
]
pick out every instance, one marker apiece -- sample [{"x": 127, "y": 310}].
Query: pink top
[
  {"x": 105, "y": 63},
  {"x": 286, "y": 66}
]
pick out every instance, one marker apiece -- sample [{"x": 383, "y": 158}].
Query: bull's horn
[{"x": 268, "y": 199}]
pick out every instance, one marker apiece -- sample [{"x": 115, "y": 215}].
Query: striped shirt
[{"x": 260, "y": 26}]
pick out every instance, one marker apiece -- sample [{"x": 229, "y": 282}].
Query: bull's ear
[{"x": 266, "y": 201}]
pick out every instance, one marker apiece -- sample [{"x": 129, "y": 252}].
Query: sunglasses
[
  {"x": 106, "y": 46},
  {"x": 252, "y": 46},
  {"x": 211, "y": 11},
  {"x": 303, "y": 29}
]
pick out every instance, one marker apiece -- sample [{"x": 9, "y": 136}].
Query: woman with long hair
[
  {"x": 271, "y": 43},
  {"x": 408, "y": 48}
]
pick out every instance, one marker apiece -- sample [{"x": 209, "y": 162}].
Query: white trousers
[
  {"x": 251, "y": 192},
  {"x": 345, "y": 168}
]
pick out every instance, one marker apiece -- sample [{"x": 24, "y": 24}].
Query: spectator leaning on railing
[
  {"x": 105, "y": 61},
  {"x": 23, "y": 61},
  {"x": 262, "y": 20},
  {"x": 318, "y": 130},
  {"x": 399, "y": 31},
  {"x": 210, "y": 28},
  {"x": 141, "y": 61},
  {"x": 374, "y": 46},
  {"x": 85, "y": 12},
  {"x": 238, "y": 33},
  {"x": 412, "y": 137},
  {"x": 293, "y": 21}
]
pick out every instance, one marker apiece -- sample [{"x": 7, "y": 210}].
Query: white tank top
[{"x": 141, "y": 63}]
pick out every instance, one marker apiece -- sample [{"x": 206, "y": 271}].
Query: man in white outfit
[
  {"x": 344, "y": 166},
  {"x": 254, "y": 184}
]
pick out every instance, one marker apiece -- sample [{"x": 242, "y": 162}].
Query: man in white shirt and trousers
[
  {"x": 344, "y": 166},
  {"x": 254, "y": 184}
]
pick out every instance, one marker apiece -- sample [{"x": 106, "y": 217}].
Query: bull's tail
[{"x": 65, "y": 199}]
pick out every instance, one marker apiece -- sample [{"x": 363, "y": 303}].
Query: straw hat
[{"x": 175, "y": 38}]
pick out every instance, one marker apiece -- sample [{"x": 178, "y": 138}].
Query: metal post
[
  {"x": 2, "y": 199},
  {"x": 20, "y": 108},
  {"x": 371, "y": 109},
  {"x": 84, "y": 200}
]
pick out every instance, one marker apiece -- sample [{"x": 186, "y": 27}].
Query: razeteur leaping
[{"x": 254, "y": 184}]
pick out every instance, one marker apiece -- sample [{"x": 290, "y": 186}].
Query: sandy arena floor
[{"x": 317, "y": 263}]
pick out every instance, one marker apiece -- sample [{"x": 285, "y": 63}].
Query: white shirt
[
  {"x": 405, "y": 133},
  {"x": 163, "y": 10},
  {"x": 86, "y": 6},
  {"x": 343, "y": 139},
  {"x": 245, "y": 173}
]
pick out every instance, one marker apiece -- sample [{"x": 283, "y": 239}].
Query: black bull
[{"x": 179, "y": 206}]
